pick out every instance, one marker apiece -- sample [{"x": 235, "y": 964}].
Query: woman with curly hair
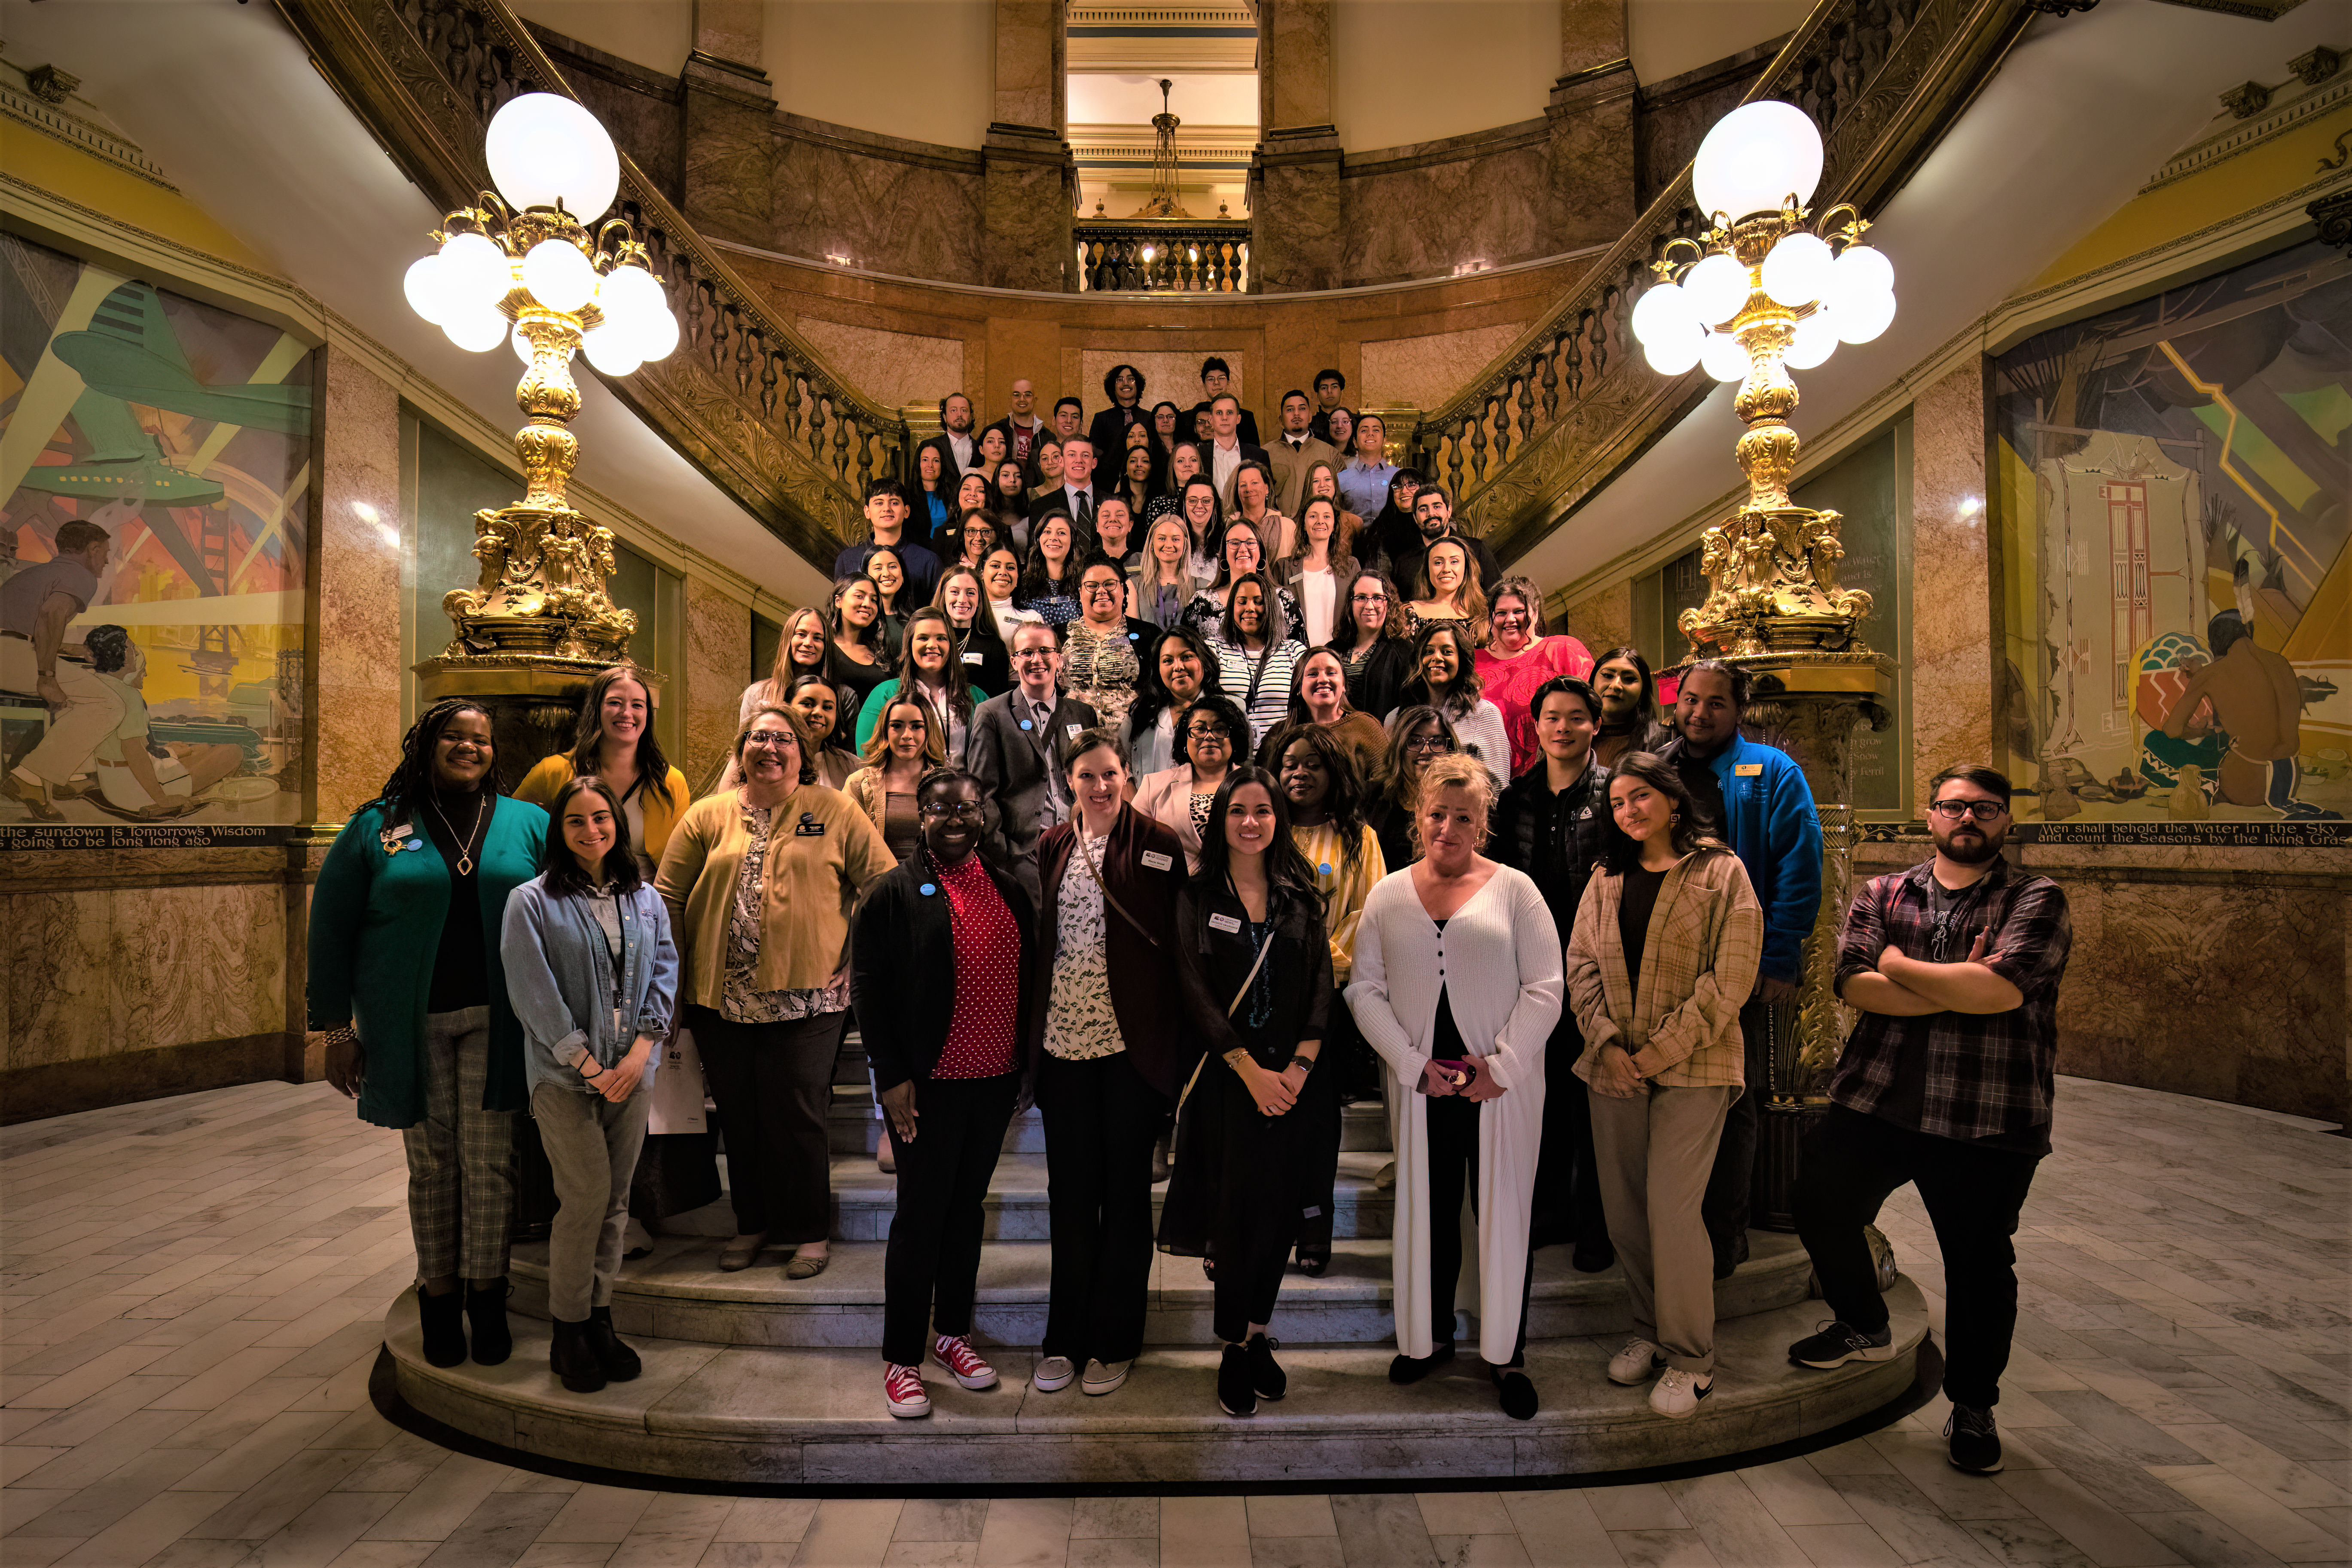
[
  {"x": 1448, "y": 682},
  {"x": 1520, "y": 657},
  {"x": 1178, "y": 668}
]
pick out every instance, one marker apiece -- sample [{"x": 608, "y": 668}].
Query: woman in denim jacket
[{"x": 592, "y": 974}]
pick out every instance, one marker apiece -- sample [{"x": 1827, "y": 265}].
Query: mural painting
[
  {"x": 2174, "y": 481},
  {"x": 154, "y": 457}
]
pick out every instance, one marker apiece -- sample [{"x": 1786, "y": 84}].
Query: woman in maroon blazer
[{"x": 1106, "y": 1047}]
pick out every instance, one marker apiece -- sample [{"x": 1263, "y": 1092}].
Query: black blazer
[
  {"x": 1247, "y": 430},
  {"x": 1144, "y": 995},
  {"x": 902, "y": 944},
  {"x": 1211, "y": 965},
  {"x": 1107, "y": 431},
  {"x": 950, "y": 470},
  {"x": 1011, "y": 767},
  {"x": 1375, "y": 690},
  {"x": 983, "y": 656}
]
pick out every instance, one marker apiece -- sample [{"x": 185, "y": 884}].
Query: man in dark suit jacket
[
  {"x": 1216, "y": 379},
  {"x": 1229, "y": 451},
  {"x": 1015, "y": 752},
  {"x": 957, "y": 448}
]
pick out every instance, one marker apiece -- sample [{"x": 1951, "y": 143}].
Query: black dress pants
[
  {"x": 1325, "y": 1113},
  {"x": 1568, "y": 1176},
  {"x": 1731, "y": 1186},
  {"x": 1973, "y": 1196},
  {"x": 931, "y": 1269},
  {"x": 1101, "y": 1119},
  {"x": 772, "y": 1084},
  {"x": 1453, "y": 1130}
]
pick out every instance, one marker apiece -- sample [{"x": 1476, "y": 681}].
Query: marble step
[
  {"x": 855, "y": 1127},
  {"x": 864, "y": 1199},
  {"x": 748, "y": 1415},
  {"x": 678, "y": 1294}
]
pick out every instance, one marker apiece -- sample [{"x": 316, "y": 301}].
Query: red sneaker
[
  {"x": 953, "y": 1354},
  {"x": 903, "y": 1386}
]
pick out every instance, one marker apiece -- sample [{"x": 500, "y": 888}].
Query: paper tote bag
[{"x": 679, "y": 1089}]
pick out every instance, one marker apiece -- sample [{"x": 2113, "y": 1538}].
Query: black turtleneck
[{"x": 461, "y": 974}]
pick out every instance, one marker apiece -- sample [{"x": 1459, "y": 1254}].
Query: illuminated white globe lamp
[
  {"x": 1863, "y": 317},
  {"x": 1798, "y": 269},
  {"x": 476, "y": 329},
  {"x": 1716, "y": 287},
  {"x": 1724, "y": 357},
  {"x": 1756, "y": 159},
  {"x": 426, "y": 288},
  {"x": 474, "y": 273},
  {"x": 1674, "y": 352},
  {"x": 546, "y": 151},
  {"x": 1815, "y": 340},
  {"x": 558, "y": 275}
]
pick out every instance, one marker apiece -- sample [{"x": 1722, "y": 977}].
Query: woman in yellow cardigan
[
  {"x": 760, "y": 881},
  {"x": 615, "y": 742}
]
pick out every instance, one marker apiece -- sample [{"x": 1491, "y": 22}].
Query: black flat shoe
[
  {"x": 443, "y": 1320},
  {"x": 486, "y": 1322},
  {"x": 1315, "y": 1261},
  {"x": 1412, "y": 1369},
  {"x": 572, "y": 1356},
  {"x": 1513, "y": 1393},
  {"x": 1234, "y": 1395},
  {"x": 1593, "y": 1257}
]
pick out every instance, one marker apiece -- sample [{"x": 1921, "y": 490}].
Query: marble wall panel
[
  {"x": 1422, "y": 219},
  {"x": 1025, "y": 225},
  {"x": 889, "y": 367},
  {"x": 717, "y": 667},
  {"x": 1601, "y": 621},
  {"x": 886, "y": 216},
  {"x": 1295, "y": 51},
  {"x": 1028, "y": 39},
  {"x": 1951, "y": 575},
  {"x": 1426, "y": 371},
  {"x": 729, "y": 175},
  {"x": 1299, "y": 239},
  {"x": 356, "y": 642},
  {"x": 95, "y": 971},
  {"x": 1171, "y": 373}
]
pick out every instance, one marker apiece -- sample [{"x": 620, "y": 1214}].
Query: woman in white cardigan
[{"x": 1458, "y": 986}]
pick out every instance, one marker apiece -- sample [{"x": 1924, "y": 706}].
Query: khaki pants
[
  {"x": 91, "y": 712},
  {"x": 591, "y": 1145},
  {"x": 1655, "y": 1152}
]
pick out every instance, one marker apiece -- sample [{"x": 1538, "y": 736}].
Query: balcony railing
[
  {"x": 1572, "y": 401},
  {"x": 1163, "y": 255}
]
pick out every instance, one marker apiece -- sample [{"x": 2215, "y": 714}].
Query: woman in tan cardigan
[
  {"x": 1666, "y": 949},
  {"x": 760, "y": 882}
]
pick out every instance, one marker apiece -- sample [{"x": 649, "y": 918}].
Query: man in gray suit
[{"x": 1015, "y": 752}]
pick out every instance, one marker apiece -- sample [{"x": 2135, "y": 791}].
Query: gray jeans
[{"x": 592, "y": 1146}]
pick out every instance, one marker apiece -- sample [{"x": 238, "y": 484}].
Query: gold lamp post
[
  {"x": 1770, "y": 289},
  {"x": 530, "y": 265}
]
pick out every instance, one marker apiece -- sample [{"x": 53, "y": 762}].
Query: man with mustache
[{"x": 1945, "y": 1084}]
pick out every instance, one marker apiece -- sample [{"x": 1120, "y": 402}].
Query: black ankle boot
[
  {"x": 442, "y": 1318},
  {"x": 486, "y": 1317},
  {"x": 571, "y": 1355},
  {"x": 619, "y": 1362}
]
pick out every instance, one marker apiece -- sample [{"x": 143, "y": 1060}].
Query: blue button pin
[
  {"x": 928, "y": 888},
  {"x": 1325, "y": 867},
  {"x": 1026, "y": 725}
]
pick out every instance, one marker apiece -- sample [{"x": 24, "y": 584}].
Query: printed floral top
[
  {"x": 739, "y": 1004},
  {"x": 1101, "y": 670},
  {"x": 1079, "y": 1023}
]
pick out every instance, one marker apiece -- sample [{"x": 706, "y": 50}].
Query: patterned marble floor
[{"x": 191, "y": 1289}]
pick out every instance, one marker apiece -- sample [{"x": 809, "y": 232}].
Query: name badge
[
  {"x": 1748, "y": 770},
  {"x": 1156, "y": 861},
  {"x": 809, "y": 830},
  {"x": 1072, "y": 729},
  {"x": 975, "y": 659},
  {"x": 1225, "y": 922}
]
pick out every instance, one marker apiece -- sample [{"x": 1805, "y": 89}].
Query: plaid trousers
[{"x": 461, "y": 1159}]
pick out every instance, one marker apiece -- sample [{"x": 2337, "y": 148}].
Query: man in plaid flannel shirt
[{"x": 1946, "y": 1083}]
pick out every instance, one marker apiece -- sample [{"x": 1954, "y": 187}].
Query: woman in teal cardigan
[{"x": 415, "y": 1007}]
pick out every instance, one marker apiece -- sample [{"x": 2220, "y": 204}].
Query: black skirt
[{"x": 1238, "y": 1171}]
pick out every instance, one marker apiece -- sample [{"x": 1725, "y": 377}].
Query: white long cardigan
[{"x": 1503, "y": 981}]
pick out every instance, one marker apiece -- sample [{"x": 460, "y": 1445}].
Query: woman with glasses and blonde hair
[{"x": 1458, "y": 986}]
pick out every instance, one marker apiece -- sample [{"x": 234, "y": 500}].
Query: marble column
[
  {"x": 1028, "y": 178},
  {"x": 717, "y": 667},
  {"x": 728, "y": 111},
  {"x": 1953, "y": 674},
  {"x": 1295, "y": 174},
  {"x": 355, "y": 634},
  {"x": 1589, "y": 162}
]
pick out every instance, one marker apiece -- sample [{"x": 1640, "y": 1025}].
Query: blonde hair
[{"x": 1454, "y": 770}]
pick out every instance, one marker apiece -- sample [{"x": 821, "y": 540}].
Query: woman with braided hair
[
  {"x": 405, "y": 980},
  {"x": 946, "y": 1069}
]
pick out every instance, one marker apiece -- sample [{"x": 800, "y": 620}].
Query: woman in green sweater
[{"x": 406, "y": 983}]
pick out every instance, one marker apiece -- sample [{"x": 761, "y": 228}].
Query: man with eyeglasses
[
  {"x": 1946, "y": 1084},
  {"x": 1017, "y": 752}
]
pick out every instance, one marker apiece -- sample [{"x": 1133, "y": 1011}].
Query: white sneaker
[
  {"x": 1638, "y": 1363},
  {"x": 1678, "y": 1393},
  {"x": 1102, "y": 1379},
  {"x": 1053, "y": 1373}
]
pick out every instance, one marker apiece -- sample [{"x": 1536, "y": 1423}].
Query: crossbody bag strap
[
  {"x": 1248, "y": 979},
  {"x": 1078, "y": 847}
]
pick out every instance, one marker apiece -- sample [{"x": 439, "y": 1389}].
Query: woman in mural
[
  {"x": 406, "y": 982},
  {"x": 131, "y": 779}
]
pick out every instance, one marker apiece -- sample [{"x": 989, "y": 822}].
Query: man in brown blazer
[{"x": 1294, "y": 452}]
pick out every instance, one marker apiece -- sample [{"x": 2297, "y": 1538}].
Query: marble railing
[
  {"x": 1572, "y": 401},
  {"x": 744, "y": 395},
  {"x": 1152, "y": 256}
]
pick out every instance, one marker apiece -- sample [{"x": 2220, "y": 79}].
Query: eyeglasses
[
  {"x": 768, "y": 740},
  {"x": 1098, "y": 590},
  {"x": 1026, "y": 654},
  {"x": 1215, "y": 734},
  {"x": 1367, "y": 599},
  {"x": 971, "y": 809},
  {"x": 1982, "y": 810},
  {"x": 1426, "y": 743}
]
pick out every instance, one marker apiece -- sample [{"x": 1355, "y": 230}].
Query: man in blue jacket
[{"x": 1763, "y": 808}]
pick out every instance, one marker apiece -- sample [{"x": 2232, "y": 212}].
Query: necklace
[{"x": 465, "y": 845}]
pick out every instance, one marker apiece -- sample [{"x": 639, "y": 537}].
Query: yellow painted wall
[
  {"x": 63, "y": 170},
  {"x": 1420, "y": 71},
  {"x": 654, "y": 33},
  {"x": 923, "y": 69},
  {"x": 2286, "y": 162}
]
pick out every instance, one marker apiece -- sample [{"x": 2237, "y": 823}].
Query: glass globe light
[
  {"x": 1860, "y": 271},
  {"x": 1672, "y": 353},
  {"x": 1716, "y": 288},
  {"x": 1863, "y": 317},
  {"x": 1663, "y": 314},
  {"x": 1797, "y": 268},
  {"x": 1724, "y": 357},
  {"x": 655, "y": 334},
  {"x": 520, "y": 344},
  {"x": 475, "y": 329},
  {"x": 559, "y": 276},
  {"x": 611, "y": 349},
  {"x": 545, "y": 150},
  {"x": 475, "y": 273},
  {"x": 1816, "y": 339},
  {"x": 426, "y": 286},
  {"x": 1755, "y": 158}
]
